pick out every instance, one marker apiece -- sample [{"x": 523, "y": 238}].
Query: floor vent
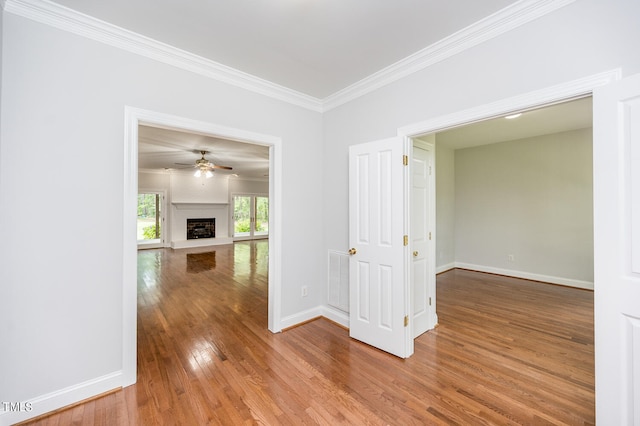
[{"x": 339, "y": 280}]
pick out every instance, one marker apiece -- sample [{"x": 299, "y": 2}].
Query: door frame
[
  {"x": 563, "y": 92},
  {"x": 133, "y": 117}
]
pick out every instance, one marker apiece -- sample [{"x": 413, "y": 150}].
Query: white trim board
[
  {"x": 507, "y": 19},
  {"x": 328, "y": 312},
  {"x": 588, "y": 285},
  {"x": 335, "y": 315},
  {"x": 444, "y": 268},
  {"x": 301, "y": 317},
  {"x": 569, "y": 282},
  {"x": 47, "y": 403}
]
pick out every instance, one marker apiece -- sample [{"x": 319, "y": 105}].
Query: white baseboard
[
  {"x": 202, "y": 242},
  {"x": 62, "y": 398},
  {"x": 336, "y": 315},
  {"x": 527, "y": 275},
  {"x": 342, "y": 318},
  {"x": 443, "y": 268},
  {"x": 300, "y": 317},
  {"x": 328, "y": 312}
]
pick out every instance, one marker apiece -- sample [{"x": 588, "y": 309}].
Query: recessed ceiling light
[{"x": 512, "y": 116}]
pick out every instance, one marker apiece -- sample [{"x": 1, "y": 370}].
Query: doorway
[
  {"x": 359, "y": 200},
  {"x": 515, "y": 195},
  {"x": 134, "y": 117}
]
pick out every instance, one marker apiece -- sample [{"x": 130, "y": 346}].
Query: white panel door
[
  {"x": 421, "y": 271},
  {"x": 377, "y": 279},
  {"x": 616, "y": 181}
]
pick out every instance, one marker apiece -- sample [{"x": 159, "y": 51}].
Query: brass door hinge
[
  {"x": 406, "y": 320},
  {"x": 406, "y": 240},
  {"x": 405, "y": 160}
]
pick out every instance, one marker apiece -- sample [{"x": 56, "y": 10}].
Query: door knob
[
  {"x": 415, "y": 254},
  {"x": 352, "y": 251}
]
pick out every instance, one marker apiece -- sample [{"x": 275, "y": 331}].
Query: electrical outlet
[
  {"x": 511, "y": 258},
  {"x": 305, "y": 291}
]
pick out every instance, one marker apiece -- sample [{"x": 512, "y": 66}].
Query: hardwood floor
[{"x": 507, "y": 351}]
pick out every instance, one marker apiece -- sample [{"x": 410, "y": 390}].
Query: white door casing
[
  {"x": 616, "y": 177},
  {"x": 377, "y": 277},
  {"x": 421, "y": 233}
]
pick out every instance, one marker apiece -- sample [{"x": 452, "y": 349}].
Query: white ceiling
[
  {"x": 315, "y": 47},
  {"x": 557, "y": 118},
  {"x": 162, "y": 149}
]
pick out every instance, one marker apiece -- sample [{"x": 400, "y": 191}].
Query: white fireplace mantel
[{"x": 184, "y": 205}]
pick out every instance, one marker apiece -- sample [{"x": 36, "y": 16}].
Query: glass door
[
  {"x": 241, "y": 216},
  {"x": 250, "y": 216},
  {"x": 150, "y": 220},
  {"x": 261, "y": 208}
]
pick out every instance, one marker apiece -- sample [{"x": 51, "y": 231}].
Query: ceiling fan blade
[
  {"x": 221, "y": 167},
  {"x": 184, "y": 164}
]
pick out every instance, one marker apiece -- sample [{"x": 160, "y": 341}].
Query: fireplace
[{"x": 201, "y": 228}]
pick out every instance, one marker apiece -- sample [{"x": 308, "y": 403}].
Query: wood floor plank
[{"x": 506, "y": 351}]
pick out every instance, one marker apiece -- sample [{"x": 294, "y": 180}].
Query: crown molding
[
  {"x": 66, "y": 19},
  {"x": 513, "y": 16},
  {"x": 505, "y": 20}
]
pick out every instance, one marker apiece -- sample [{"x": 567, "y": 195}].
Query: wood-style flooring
[{"x": 507, "y": 351}]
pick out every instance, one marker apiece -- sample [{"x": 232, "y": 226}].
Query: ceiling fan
[{"x": 204, "y": 166}]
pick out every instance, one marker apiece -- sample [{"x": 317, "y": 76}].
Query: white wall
[
  {"x": 185, "y": 188},
  {"x": 240, "y": 186},
  {"x": 584, "y": 38},
  {"x": 63, "y": 99},
  {"x": 1, "y": 61},
  {"x": 157, "y": 180},
  {"x": 532, "y": 199}
]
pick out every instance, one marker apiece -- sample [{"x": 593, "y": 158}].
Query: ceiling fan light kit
[
  {"x": 203, "y": 170},
  {"x": 206, "y": 167}
]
